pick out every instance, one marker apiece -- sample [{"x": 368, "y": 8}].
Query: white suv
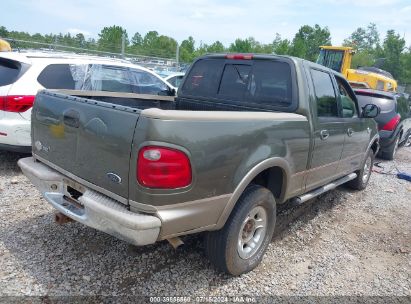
[{"x": 22, "y": 75}]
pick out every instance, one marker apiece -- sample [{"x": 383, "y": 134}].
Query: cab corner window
[{"x": 326, "y": 101}]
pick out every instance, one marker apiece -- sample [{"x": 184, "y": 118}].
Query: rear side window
[
  {"x": 108, "y": 78},
  {"x": 9, "y": 71},
  {"x": 262, "y": 84},
  {"x": 146, "y": 83},
  {"x": 57, "y": 76},
  {"x": 327, "y": 105},
  {"x": 175, "y": 81}
]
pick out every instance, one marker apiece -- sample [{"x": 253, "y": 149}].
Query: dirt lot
[{"x": 342, "y": 243}]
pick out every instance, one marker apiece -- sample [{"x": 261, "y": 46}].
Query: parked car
[
  {"x": 246, "y": 132},
  {"x": 23, "y": 74},
  {"x": 394, "y": 121},
  {"x": 175, "y": 79}
]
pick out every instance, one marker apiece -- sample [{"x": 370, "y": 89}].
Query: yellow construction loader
[
  {"x": 339, "y": 59},
  {"x": 4, "y": 46}
]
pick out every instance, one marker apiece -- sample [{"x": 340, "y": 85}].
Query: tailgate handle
[{"x": 71, "y": 118}]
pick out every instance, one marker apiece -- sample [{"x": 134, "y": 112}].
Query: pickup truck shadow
[{"x": 74, "y": 259}]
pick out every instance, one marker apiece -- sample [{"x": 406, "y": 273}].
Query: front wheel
[
  {"x": 240, "y": 245},
  {"x": 363, "y": 175}
]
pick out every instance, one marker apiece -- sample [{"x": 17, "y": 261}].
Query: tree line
[{"x": 389, "y": 53}]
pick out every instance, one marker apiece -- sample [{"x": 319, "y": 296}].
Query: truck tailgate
[{"x": 89, "y": 139}]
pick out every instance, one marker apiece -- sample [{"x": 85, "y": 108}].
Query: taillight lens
[
  {"x": 163, "y": 168},
  {"x": 16, "y": 103},
  {"x": 392, "y": 124}
]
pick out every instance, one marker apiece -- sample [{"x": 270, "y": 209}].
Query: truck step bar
[{"x": 309, "y": 195}]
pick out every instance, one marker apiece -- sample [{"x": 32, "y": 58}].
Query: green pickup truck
[{"x": 246, "y": 132}]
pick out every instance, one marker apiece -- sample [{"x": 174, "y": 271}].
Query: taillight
[
  {"x": 16, "y": 103},
  {"x": 392, "y": 124},
  {"x": 239, "y": 56},
  {"x": 163, "y": 168}
]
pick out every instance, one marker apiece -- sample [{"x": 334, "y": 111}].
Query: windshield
[{"x": 331, "y": 59}]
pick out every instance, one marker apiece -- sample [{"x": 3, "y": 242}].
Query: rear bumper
[
  {"x": 95, "y": 209},
  {"x": 15, "y": 132},
  {"x": 13, "y": 148}
]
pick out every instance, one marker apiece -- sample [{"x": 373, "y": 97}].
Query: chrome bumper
[{"x": 94, "y": 209}]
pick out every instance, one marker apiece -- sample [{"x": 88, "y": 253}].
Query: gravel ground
[{"x": 342, "y": 243}]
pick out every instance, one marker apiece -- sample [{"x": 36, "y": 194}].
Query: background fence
[{"x": 161, "y": 65}]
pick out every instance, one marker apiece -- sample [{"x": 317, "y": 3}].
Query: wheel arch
[
  {"x": 374, "y": 145},
  {"x": 267, "y": 173}
]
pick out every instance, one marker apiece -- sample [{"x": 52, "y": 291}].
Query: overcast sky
[{"x": 207, "y": 20}]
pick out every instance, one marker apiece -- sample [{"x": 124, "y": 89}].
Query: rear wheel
[
  {"x": 363, "y": 175},
  {"x": 407, "y": 141},
  {"x": 389, "y": 154},
  {"x": 240, "y": 245}
]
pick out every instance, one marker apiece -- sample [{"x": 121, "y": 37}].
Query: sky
[{"x": 207, "y": 20}]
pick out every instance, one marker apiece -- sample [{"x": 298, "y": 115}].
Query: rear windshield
[
  {"x": 9, "y": 71},
  {"x": 265, "y": 84},
  {"x": 386, "y": 104}
]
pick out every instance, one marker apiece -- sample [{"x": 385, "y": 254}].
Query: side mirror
[{"x": 370, "y": 111}]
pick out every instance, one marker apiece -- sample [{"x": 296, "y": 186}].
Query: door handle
[
  {"x": 71, "y": 118},
  {"x": 350, "y": 132},
  {"x": 324, "y": 134}
]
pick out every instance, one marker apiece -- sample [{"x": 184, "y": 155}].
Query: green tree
[
  {"x": 187, "y": 48},
  {"x": 281, "y": 46},
  {"x": 216, "y": 47},
  {"x": 80, "y": 40},
  {"x": 3, "y": 32},
  {"x": 241, "y": 46},
  {"x": 110, "y": 39},
  {"x": 308, "y": 39},
  {"x": 137, "y": 39},
  {"x": 364, "y": 39},
  {"x": 405, "y": 59},
  {"x": 393, "y": 47},
  {"x": 363, "y": 58}
]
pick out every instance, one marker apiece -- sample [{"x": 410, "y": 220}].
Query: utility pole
[{"x": 123, "y": 44}]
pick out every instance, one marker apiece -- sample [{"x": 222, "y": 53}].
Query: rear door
[
  {"x": 86, "y": 138},
  {"x": 329, "y": 130},
  {"x": 357, "y": 130}
]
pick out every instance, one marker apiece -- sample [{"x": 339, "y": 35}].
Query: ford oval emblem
[{"x": 114, "y": 178}]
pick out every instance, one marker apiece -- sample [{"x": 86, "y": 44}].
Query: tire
[
  {"x": 389, "y": 154},
  {"x": 407, "y": 141},
  {"x": 363, "y": 175},
  {"x": 228, "y": 249}
]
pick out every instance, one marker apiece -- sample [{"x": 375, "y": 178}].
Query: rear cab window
[{"x": 259, "y": 84}]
